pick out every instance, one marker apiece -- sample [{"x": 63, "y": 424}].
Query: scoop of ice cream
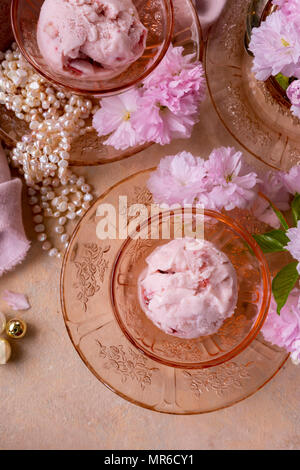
[
  {"x": 90, "y": 38},
  {"x": 189, "y": 288}
]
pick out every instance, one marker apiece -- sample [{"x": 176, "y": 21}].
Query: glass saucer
[
  {"x": 88, "y": 150},
  {"x": 86, "y": 299},
  {"x": 252, "y": 111}
]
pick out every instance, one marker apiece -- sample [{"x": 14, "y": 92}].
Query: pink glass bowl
[
  {"x": 236, "y": 333},
  {"x": 156, "y": 15},
  {"x": 256, "y": 113}
]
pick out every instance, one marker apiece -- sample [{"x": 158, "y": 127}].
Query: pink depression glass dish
[
  {"x": 254, "y": 291},
  {"x": 256, "y": 113},
  {"x": 157, "y": 17},
  {"x": 89, "y": 150},
  {"x": 113, "y": 349}
]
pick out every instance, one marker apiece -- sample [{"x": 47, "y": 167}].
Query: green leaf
[
  {"x": 296, "y": 208},
  {"x": 284, "y": 283},
  {"x": 272, "y": 242},
  {"x": 280, "y": 217},
  {"x": 283, "y": 81}
]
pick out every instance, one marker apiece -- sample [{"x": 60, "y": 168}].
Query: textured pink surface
[
  {"x": 13, "y": 242},
  {"x": 50, "y": 400}
]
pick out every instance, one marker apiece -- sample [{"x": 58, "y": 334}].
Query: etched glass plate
[{"x": 86, "y": 281}]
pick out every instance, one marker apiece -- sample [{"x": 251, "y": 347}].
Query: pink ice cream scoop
[
  {"x": 96, "y": 39},
  {"x": 189, "y": 288}
]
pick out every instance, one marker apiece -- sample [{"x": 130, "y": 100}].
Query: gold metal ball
[{"x": 16, "y": 329}]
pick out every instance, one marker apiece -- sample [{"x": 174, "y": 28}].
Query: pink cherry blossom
[
  {"x": 273, "y": 187},
  {"x": 172, "y": 64},
  {"x": 293, "y": 93},
  {"x": 172, "y": 94},
  {"x": 284, "y": 330},
  {"x": 115, "y": 118},
  {"x": 178, "y": 82},
  {"x": 217, "y": 183},
  {"x": 154, "y": 122},
  {"x": 179, "y": 179},
  {"x": 231, "y": 186},
  {"x": 294, "y": 244},
  {"x": 166, "y": 107},
  {"x": 276, "y": 47},
  {"x": 291, "y": 180},
  {"x": 290, "y": 8}
]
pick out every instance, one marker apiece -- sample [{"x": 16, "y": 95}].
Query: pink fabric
[
  {"x": 13, "y": 242},
  {"x": 208, "y": 11}
]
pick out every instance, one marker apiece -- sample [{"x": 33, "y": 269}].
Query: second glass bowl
[
  {"x": 237, "y": 332},
  {"x": 254, "y": 112},
  {"x": 157, "y": 17}
]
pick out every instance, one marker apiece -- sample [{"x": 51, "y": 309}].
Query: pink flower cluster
[
  {"x": 284, "y": 330},
  {"x": 293, "y": 93},
  {"x": 219, "y": 182},
  {"x": 222, "y": 181},
  {"x": 278, "y": 187},
  {"x": 275, "y": 45},
  {"x": 290, "y": 8},
  {"x": 164, "y": 108}
]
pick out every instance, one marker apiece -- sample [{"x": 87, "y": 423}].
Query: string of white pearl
[{"x": 54, "y": 118}]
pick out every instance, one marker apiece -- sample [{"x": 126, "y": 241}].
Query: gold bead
[
  {"x": 15, "y": 328},
  {"x": 5, "y": 351}
]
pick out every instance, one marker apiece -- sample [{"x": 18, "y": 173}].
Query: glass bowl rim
[
  {"x": 256, "y": 327},
  {"x": 169, "y": 8}
]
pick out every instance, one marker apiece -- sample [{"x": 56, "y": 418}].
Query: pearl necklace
[{"x": 54, "y": 118}]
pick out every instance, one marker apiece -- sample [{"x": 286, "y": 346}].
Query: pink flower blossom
[
  {"x": 290, "y": 8},
  {"x": 216, "y": 184},
  {"x": 284, "y": 330},
  {"x": 231, "y": 187},
  {"x": 294, "y": 244},
  {"x": 179, "y": 179},
  {"x": 183, "y": 92},
  {"x": 166, "y": 107},
  {"x": 276, "y": 47},
  {"x": 154, "y": 122},
  {"x": 172, "y": 64},
  {"x": 178, "y": 82},
  {"x": 171, "y": 97},
  {"x": 293, "y": 93},
  {"x": 115, "y": 118},
  {"x": 16, "y": 301},
  {"x": 291, "y": 180},
  {"x": 279, "y": 3},
  {"x": 273, "y": 187}
]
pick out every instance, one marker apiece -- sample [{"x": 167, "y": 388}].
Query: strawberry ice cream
[
  {"x": 96, "y": 39},
  {"x": 189, "y": 288}
]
